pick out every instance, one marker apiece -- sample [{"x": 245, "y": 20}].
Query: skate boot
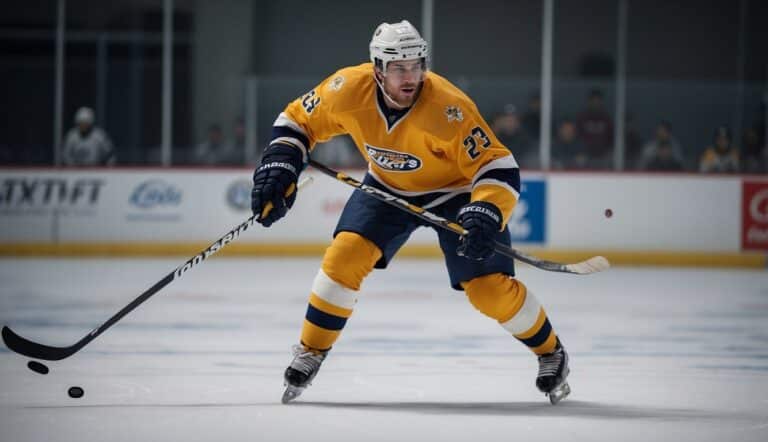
[
  {"x": 553, "y": 371},
  {"x": 302, "y": 370}
]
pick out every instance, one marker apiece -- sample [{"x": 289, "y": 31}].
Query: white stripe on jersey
[
  {"x": 294, "y": 141},
  {"x": 284, "y": 120},
  {"x": 506, "y": 162}
]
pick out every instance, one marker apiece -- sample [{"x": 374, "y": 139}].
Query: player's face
[{"x": 402, "y": 81}]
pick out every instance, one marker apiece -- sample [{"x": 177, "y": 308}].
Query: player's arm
[
  {"x": 495, "y": 178},
  {"x": 304, "y": 122},
  {"x": 491, "y": 167}
]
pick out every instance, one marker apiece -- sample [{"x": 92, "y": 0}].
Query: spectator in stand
[
  {"x": 662, "y": 151},
  {"x": 215, "y": 151},
  {"x": 532, "y": 117},
  {"x": 663, "y": 158},
  {"x": 509, "y": 130},
  {"x": 86, "y": 144},
  {"x": 722, "y": 156},
  {"x": 567, "y": 149},
  {"x": 754, "y": 151},
  {"x": 596, "y": 131}
]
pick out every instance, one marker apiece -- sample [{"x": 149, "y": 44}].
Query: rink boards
[{"x": 656, "y": 219}]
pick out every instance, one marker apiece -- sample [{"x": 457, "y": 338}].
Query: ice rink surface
[{"x": 656, "y": 354}]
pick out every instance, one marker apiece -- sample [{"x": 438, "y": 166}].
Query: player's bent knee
[
  {"x": 349, "y": 259},
  {"x": 497, "y": 295}
]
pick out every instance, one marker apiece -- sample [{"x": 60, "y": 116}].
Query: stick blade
[
  {"x": 592, "y": 265},
  {"x": 34, "y": 350}
]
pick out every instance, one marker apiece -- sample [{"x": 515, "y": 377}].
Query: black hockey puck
[
  {"x": 75, "y": 392},
  {"x": 37, "y": 367}
]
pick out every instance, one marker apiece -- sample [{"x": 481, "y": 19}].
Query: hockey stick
[
  {"x": 591, "y": 265},
  {"x": 39, "y": 351}
]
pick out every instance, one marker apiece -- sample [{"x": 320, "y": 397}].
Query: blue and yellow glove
[
  {"x": 274, "y": 183},
  {"x": 482, "y": 221}
]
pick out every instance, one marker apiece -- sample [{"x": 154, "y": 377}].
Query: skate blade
[
  {"x": 559, "y": 393},
  {"x": 291, "y": 393}
]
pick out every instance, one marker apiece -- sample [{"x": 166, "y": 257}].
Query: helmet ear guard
[{"x": 394, "y": 42}]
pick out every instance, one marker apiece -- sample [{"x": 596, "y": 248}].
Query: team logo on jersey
[
  {"x": 454, "y": 113},
  {"x": 336, "y": 84},
  {"x": 393, "y": 161}
]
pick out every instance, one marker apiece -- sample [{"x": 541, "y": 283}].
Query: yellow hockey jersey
[{"x": 441, "y": 145}]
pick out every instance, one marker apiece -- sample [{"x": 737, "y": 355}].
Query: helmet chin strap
[{"x": 384, "y": 92}]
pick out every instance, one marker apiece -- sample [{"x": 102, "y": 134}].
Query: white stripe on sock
[
  {"x": 333, "y": 292},
  {"x": 526, "y": 317}
]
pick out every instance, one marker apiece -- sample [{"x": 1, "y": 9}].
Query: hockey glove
[
  {"x": 274, "y": 183},
  {"x": 482, "y": 221}
]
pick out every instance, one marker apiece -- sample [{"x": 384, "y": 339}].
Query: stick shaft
[
  {"x": 443, "y": 223},
  {"x": 36, "y": 350}
]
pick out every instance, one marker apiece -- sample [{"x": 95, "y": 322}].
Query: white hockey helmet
[
  {"x": 84, "y": 115},
  {"x": 398, "y": 41}
]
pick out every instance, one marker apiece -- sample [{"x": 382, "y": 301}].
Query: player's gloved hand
[
  {"x": 482, "y": 221},
  {"x": 274, "y": 183}
]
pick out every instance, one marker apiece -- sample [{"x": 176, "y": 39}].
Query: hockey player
[{"x": 425, "y": 142}]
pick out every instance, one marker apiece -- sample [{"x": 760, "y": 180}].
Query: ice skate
[
  {"x": 299, "y": 374},
  {"x": 553, "y": 371}
]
